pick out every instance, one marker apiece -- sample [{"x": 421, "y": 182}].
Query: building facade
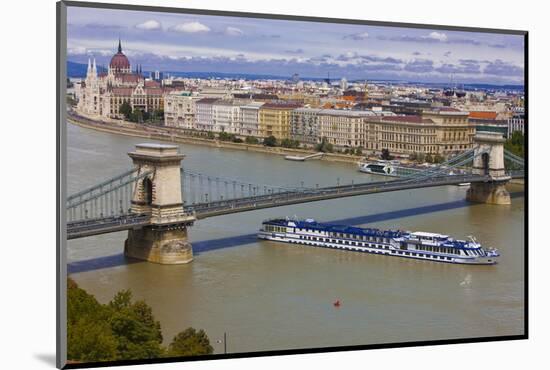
[
  {"x": 204, "y": 116},
  {"x": 180, "y": 110},
  {"x": 101, "y": 94},
  {"x": 226, "y": 116},
  {"x": 274, "y": 119},
  {"x": 343, "y": 128},
  {"x": 516, "y": 122},
  {"x": 250, "y": 119},
  {"x": 304, "y": 125}
]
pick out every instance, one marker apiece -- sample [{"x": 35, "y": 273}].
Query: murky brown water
[{"x": 270, "y": 296}]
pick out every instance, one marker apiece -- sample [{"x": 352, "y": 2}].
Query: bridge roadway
[{"x": 80, "y": 229}]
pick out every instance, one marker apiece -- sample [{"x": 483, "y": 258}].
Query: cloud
[
  {"x": 447, "y": 54},
  {"x": 149, "y": 25},
  {"x": 78, "y": 50},
  {"x": 295, "y": 51},
  {"x": 233, "y": 31},
  {"x": 419, "y": 66},
  {"x": 417, "y": 53},
  {"x": 357, "y": 36},
  {"x": 103, "y": 26},
  {"x": 470, "y": 68},
  {"x": 374, "y": 58},
  {"x": 464, "y": 41},
  {"x": 190, "y": 27},
  {"x": 500, "y": 68},
  {"x": 440, "y": 36}
]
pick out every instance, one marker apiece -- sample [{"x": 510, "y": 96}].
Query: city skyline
[{"x": 200, "y": 43}]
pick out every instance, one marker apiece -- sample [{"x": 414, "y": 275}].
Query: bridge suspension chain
[
  {"x": 445, "y": 168},
  {"x": 109, "y": 199},
  {"x": 201, "y": 188}
]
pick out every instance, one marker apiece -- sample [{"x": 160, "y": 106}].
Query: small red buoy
[{"x": 337, "y": 303}]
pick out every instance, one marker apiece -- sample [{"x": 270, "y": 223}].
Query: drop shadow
[{"x": 46, "y": 358}]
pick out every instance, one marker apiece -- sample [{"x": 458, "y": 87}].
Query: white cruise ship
[{"x": 418, "y": 245}]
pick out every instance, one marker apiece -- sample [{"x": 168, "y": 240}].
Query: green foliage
[
  {"x": 289, "y": 143},
  {"x": 123, "y": 329},
  {"x": 251, "y": 140},
  {"x": 237, "y": 140},
  {"x": 429, "y": 158},
  {"x": 224, "y": 136},
  {"x": 210, "y": 135},
  {"x": 158, "y": 115},
  {"x": 136, "y": 116},
  {"x": 190, "y": 342},
  {"x": 516, "y": 144},
  {"x": 438, "y": 158},
  {"x": 270, "y": 141},
  {"x": 126, "y": 110},
  {"x": 324, "y": 146},
  {"x": 358, "y": 151},
  {"x": 386, "y": 154},
  {"x": 146, "y": 115}
]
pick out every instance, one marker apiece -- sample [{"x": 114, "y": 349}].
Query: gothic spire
[{"x": 119, "y": 45}]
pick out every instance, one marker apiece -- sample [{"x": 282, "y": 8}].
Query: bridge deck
[{"x": 98, "y": 226}]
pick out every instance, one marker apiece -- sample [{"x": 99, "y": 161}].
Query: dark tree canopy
[
  {"x": 270, "y": 141},
  {"x": 123, "y": 329},
  {"x": 190, "y": 342}
]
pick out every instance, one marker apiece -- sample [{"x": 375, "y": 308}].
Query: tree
[
  {"x": 251, "y": 140},
  {"x": 324, "y": 146},
  {"x": 358, "y": 151},
  {"x": 210, "y": 135},
  {"x": 516, "y": 144},
  {"x": 190, "y": 342},
  {"x": 386, "y": 154},
  {"x": 413, "y": 156},
  {"x": 120, "y": 330},
  {"x": 158, "y": 115},
  {"x": 270, "y": 141},
  {"x": 289, "y": 143},
  {"x": 89, "y": 335},
  {"x": 429, "y": 158},
  {"x": 126, "y": 110},
  {"x": 438, "y": 158},
  {"x": 136, "y": 116}
]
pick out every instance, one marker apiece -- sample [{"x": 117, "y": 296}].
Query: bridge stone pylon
[
  {"x": 159, "y": 195},
  {"x": 489, "y": 161}
]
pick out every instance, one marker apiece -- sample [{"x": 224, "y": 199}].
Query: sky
[{"x": 202, "y": 43}]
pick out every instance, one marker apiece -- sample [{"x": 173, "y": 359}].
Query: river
[{"x": 272, "y": 296}]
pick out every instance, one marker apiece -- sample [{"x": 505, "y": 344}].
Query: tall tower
[{"x": 159, "y": 195}]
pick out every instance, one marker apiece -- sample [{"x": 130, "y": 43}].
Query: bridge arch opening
[
  {"x": 147, "y": 191},
  {"x": 485, "y": 163}
]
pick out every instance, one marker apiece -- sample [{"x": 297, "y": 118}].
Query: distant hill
[{"x": 78, "y": 70}]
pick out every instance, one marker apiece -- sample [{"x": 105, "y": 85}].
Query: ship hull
[{"x": 387, "y": 249}]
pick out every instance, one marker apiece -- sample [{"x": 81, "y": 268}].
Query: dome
[{"x": 119, "y": 61}]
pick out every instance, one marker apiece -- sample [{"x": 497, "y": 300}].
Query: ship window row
[
  {"x": 402, "y": 253},
  {"x": 430, "y": 248},
  {"x": 350, "y": 236},
  {"x": 412, "y": 254},
  {"x": 273, "y": 228},
  {"x": 343, "y": 242}
]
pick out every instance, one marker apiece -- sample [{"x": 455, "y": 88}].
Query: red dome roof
[{"x": 119, "y": 61}]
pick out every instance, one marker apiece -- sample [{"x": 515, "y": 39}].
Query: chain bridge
[{"x": 157, "y": 200}]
